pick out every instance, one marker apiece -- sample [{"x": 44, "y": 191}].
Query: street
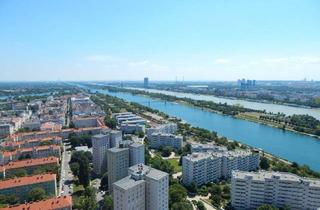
[{"x": 66, "y": 179}]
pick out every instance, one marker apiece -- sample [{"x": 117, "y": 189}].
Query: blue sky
[{"x": 127, "y": 40}]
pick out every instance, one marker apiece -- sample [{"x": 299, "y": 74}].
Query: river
[
  {"x": 269, "y": 107},
  {"x": 285, "y": 144}
]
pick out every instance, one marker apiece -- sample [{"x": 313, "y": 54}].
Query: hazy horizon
[{"x": 118, "y": 41}]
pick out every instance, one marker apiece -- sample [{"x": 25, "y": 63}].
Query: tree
[
  {"x": 183, "y": 205},
  {"x": 162, "y": 165},
  {"x": 166, "y": 151},
  {"x": 110, "y": 122},
  {"x": 75, "y": 168},
  {"x": 200, "y": 205},
  {"x": 84, "y": 171},
  {"x": 177, "y": 193},
  {"x": 216, "y": 200},
  {"x": 193, "y": 187},
  {"x": 264, "y": 163},
  {"x": 37, "y": 194},
  {"x": 104, "y": 182},
  {"x": 19, "y": 173},
  {"x": 88, "y": 200},
  {"x": 8, "y": 199},
  {"x": 107, "y": 203},
  {"x": 267, "y": 207}
]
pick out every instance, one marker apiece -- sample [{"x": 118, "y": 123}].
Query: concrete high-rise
[
  {"x": 202, "y": 168},
  {"x": 146, "y": 82},
  {"x": 118, "y": 164},
  {"x": 136, "y": 152},
  {"x": 144, "y": 188},
  {"x": 100, "y": 144}
]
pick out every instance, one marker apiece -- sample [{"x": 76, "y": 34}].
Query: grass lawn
[{"x": 175, "y": 164}]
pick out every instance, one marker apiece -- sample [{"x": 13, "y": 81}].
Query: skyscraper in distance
[{"x": 146, "y": 82}]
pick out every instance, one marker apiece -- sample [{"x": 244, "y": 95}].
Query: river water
[
  {"x": 285, "y": 144},
  {"x": 269, "y": 107}
]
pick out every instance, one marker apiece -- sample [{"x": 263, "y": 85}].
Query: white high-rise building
[
  {"x": 136, "y": 152},
  {"x": 118, "y": 164},
  {"x": 164, "y": 139},
  {"x": 100, "y": 144},
  {"x": 202, "y": 168},
  {"x": 129, "y": 194},
  {"x": 115, "y": 137},
  {"x": 249, "y": 190},
  {"x": 144, "y": 188}
]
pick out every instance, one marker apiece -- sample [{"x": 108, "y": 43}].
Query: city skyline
[{"x": 108, "y": 40}]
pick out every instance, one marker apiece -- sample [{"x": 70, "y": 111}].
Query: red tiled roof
[
  {"x": 28, "y": 180},
  {"x": 49, "y": 204},
  {"x": 29, "y": 162}
]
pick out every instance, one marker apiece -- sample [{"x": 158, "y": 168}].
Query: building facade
[
  {"x": 249, "y": 190},
  {"x": 136, "y": 152},
  {"x": 202, "y": 168},
  {"x": 164, "y": 139},
  {"x": 20, "y": 187},
  {"x": 144, "y": 188},
  {"x": 28, "y": 165},
  {"x": 100, "y": 144},
  {"x": 118, "y": 164}
]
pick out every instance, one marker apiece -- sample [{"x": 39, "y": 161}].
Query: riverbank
[
  {"x": 274, "y": 125},
  {"x": 264, "y": 101},
  {"x": 237, "y": 113}
]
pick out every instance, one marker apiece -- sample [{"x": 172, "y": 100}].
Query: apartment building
[
  {"x": 6, "y": 130},
  {"x": 164, "y": 139},
  {"x": 249, "y": 190},
  {"x": 130, "y": 128},
  {"x": 128, "y": 118},
  {"x": 136, "y": 152},
  {"x": 31, "y": 142},
  {"x": 56, "y": 203},
  {"x": 28, "y": 165},
  {"x": 35, "y": 152},
  {"x": 144, "y": 188},
  {"x": 100, "y": 144},
  {"x": 210, "y": 147},
  {"x": 202, "y": 168},
  {"x": 20, "y": 187},
  {"x": 129, "y": 194},
  {"x": 118, "y": 164},
  {"x": 87, "y": 122},
  {"x": 170, "y": 128}
]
